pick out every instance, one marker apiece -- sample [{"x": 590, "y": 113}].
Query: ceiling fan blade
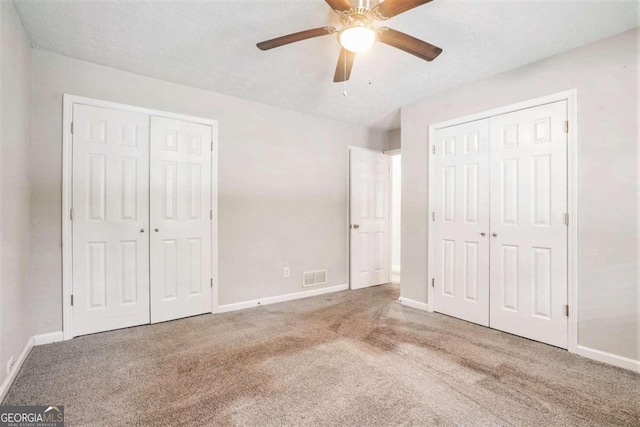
[
  {"x": 412, "y": 45},
  {"x": 339, "y": 5},
  {"x": 295, "y": 37},
  {"x": 390, "y": 8},
  {"x": 345, "y": 64}
]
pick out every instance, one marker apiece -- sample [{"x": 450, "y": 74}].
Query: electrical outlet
[
  {"x": 287, "y": 272},
  {"x": 10, "y": 364}
]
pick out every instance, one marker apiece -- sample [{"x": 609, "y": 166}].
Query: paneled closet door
[
  {"x": 528, "y": 230},
  {"x": 110, "y": 219},
  {"x": 461, "y": 232},
  {"x": 180, "y": 183}
]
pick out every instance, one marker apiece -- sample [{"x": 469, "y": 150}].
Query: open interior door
[{"x": 369, "y": 214}]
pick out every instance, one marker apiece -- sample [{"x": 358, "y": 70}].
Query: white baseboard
[
  {"x": 611, "y": 359},
  {"x": 48, "y": 338},
  {"x": 414, "y": 304},
  {"x": 590, "y": 353},
  {"x": 6, "y": 384},
  {"x": 280, "y": 298}
]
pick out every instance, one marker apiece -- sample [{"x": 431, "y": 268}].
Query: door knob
[
  {"x": 156, "y": 230},
  {"x": 356, "y": 226},
  {"x": 494, "y": 235},
  {"x": 483, "y": 234},
  {"x": 142, "y": 230}
]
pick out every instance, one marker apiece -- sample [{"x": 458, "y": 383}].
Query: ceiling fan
[{"x": 358, "y": 33}]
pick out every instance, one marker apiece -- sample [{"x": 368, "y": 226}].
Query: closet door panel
[
  {"x": 180, "y": 219},
  {"x": 461, "y": 207},
  {"x": 529, "y": 234},
  {"x": 110, "y": 221}
]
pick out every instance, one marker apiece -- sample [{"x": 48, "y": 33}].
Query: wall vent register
[{"x": 313, "y": 278}]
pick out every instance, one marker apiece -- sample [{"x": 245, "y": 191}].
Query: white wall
[
  {"x": 15, "y": 90},
  {"x": 392, "y": 139},
  {"x": 605, "y": 75},
  {"x": 282, "y": 182},
  {"x": 396, "y": 209}
]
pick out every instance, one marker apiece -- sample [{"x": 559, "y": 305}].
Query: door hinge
[
  {"x": 566, "y": 126},
  {"x": 433, "y": 216},
  {"x": 433, "y": 149},
  {"x": 566, "y": 218},
  {"x": 71, "y": 127},
  {"x": 566, "y": 310},
  {"x": 211, "y": 214},
  {"x": 212, "y": 283},
  {"x": 71, "y": 299},
  {"x": 71, "y": 214},
  {"x": 433, "y": 282}
]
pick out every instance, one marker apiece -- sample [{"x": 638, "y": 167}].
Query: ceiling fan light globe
[{"x": 357, "y": 39}]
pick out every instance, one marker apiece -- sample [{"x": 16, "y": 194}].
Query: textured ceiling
[{"x": 211, "y": 45}]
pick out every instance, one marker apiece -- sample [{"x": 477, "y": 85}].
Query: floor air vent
[{"x": 313, "y": 278}]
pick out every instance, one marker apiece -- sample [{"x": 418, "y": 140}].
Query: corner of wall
[
  {"x": 16, "y": 327},
  {"x": 393, "y": 140}
]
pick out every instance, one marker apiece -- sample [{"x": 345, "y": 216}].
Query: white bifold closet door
[
  {"x": 142, "y": 219},
  {"x": 370, "y": 218},
  {"x": 500, "y": 237},
  {"x": 110, "y": 219},
  {"x": 180, "y": 183},
  {"x": 461, "y": 252}
]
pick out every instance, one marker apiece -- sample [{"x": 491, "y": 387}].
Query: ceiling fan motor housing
[{"x": 357, "y": 14}]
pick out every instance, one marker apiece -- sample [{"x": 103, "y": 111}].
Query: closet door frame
[
  {"x": 67, "y": 193},
  {"x": 572, "y": 196}
]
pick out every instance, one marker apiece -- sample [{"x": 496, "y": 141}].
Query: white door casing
[
  {"x": 110, "y": 223},
  {"x": 461, "y": 215},
  {"x": 180, "y": 183},
  {"x": 369, "y": 214},
  {"x": 528, "y": 231}
]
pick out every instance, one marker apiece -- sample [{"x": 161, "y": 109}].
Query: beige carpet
[{"x": 355, "y": 358}]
